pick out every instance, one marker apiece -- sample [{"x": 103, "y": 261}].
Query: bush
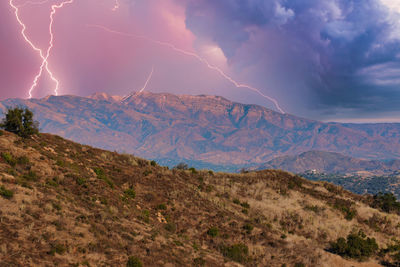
[
  {"x": 386, "y": 202},
  {"x": 8, "y": 194},
  {"x": 20, "y": 121},
  {"x": 130, "y": 193},
  {"x": 9, "y": 158},
  {"x": 248, "y": 227},
  {"x": 357, "y": 246},
  {"x": 162, "y": 206},
  {"x": 101, "y": 175},
  {"x": 237, "y": 252},
  {"x": 181, "y": 166},
  {"x": 134, "y": 262},
  {"x": 236, "y": 201},
  {"x": 345, "y": 207},
  {"x": 58, "y": 248},
  {"x": 245, "y": 205},
  {"x": 153, "y": 163},
  {"x": 30, "y": 176},
  {"x": 80, "y": 181},
  {"x": 213, "y": 231}
]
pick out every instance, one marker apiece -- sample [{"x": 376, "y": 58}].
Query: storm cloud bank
[
  {"x": 321, "y": 59},
  {"x": 337, "y": 56}
]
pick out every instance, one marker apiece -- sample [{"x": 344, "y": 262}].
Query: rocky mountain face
[
  {"x": 203, "y": 130},
  {"x": 65, "y": 204},
  {"x": 330, "y": 162}
]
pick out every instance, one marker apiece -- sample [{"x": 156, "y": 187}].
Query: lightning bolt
[
  {"x": 44, "y": 57},
  {"x": 33, "y": 3},
  {"x": 196, "y": 56},
  {"x": 143, "y": 88},
  {"x": 148, "y": 80}
]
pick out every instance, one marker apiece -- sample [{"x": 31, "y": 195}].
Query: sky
[{"x": 331, "y": 60}]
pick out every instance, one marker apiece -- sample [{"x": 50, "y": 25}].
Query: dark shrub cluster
[
  {"x": 237, "y": 252},
  {"x": 101, "y": 175},
  {"x": 6, "y": 193},
  {"x": 386, "y": 202},
  {"x": 346, "y": 208},
  {"x": 213, "y": 231},
  {"x": 134, "y": 262},
  {"x": 356, "y": 246},
  {"x": 181, "y": 166},
  {"x": 20, "y": 121}
]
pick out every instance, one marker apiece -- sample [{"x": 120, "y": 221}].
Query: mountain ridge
[{"x": 209, "y": 129}]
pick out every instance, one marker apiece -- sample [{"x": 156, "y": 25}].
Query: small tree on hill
[{"x": 20, "y": 121}]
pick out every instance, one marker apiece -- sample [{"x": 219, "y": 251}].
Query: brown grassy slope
[{"x": 72, "y": 207}]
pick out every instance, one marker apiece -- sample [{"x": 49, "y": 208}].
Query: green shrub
[
  {"x": 386, "y": 202},
  {"x": 8, "y": 194},
  {"x": 130, "y": 193},
  {"x": 193, "y": 170},
  {"x": 236, "y": 252},
  {"x": 153, "y": 163},
  {"x": 245, "y": 205},
  {"x": 162, "y": 206},
  {"x": 101, "y": 175},
  {"x": 134, "y": 262},
  {"x": 80, "y": 181},
  {"x": 30, "y": 176},
  {"x": 20, "y": 121},
  {"x": 357, "y": 246},
  {"x": 213, "y": 231},
  {"x": 99, "y": 172},
  {"x": 346, "y": 208},
  {"x": 145, "y": 216},
  {"x": 299, "y": 264},
  {"x": 236, "y": 201},
  {"x": 147, "y": 172},
  {"x": 52, "y": 182},
  {"x": 58, "y": 248},
  {"x": 248, "y": 228},
  {"x": 9, "y": 158},
  {"x": 1, "y": 133}
]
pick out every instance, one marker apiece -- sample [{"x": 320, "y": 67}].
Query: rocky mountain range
[{"x": 204, "y": 131}]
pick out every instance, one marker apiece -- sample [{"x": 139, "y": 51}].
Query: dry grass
[{"x": 71, "y": 207}]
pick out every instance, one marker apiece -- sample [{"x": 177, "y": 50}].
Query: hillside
[
  {"x": 205, "y": 131},
  {"x": 67, "y": 204},
  {"x": 329, "y": 162}
]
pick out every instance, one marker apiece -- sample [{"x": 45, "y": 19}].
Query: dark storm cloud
[{"x": 342, "y": 54}]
